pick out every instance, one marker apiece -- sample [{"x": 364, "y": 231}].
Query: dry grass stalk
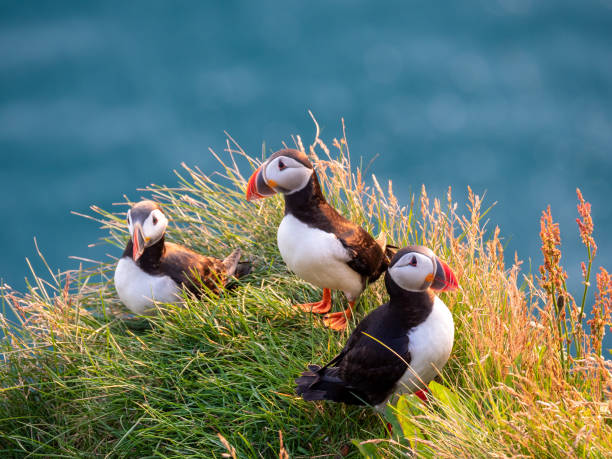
[{"x": 216, "y": 375}]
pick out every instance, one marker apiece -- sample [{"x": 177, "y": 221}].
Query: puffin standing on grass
[
  {"x": 152, "y": 269},
  {"x": 315, "y": 241},
  {"x": 400, "y": 346}
]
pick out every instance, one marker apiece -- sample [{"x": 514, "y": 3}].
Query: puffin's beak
[
  {"x": 138, "y": 242},
  {"x": 444, "y": 278},
  {"x": 257, "y": 187}
]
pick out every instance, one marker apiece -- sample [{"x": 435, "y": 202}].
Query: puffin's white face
[
  {"x": 286, "y": 175},
  {"x": 153, "y": 228},
  {"x": 147, "y": 225},
  {"x": 413, "y": 272}
]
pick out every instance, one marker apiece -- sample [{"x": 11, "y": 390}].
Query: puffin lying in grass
[
  {"x": 397, "y": 348},
  {"x": 152, "y": 269},
  {"x": 316, "y": 242}
]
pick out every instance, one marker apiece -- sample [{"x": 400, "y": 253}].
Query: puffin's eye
[
  {"x": 154, "y": 220},
  {"x": 281, "y": 165},
  {"x": 413, "y": 262}
]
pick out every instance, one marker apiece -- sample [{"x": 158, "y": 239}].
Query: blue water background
[{"x": 97, "y": 99}]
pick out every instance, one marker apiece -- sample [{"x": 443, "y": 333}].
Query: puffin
[
  {"x": 152, "y": 269},
  {"x": 397, "y": 348},
  {"x": 317, "y": 243}
]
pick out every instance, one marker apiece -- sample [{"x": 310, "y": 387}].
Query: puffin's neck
[
  {"x": 415, "y": 307},
  {"x": 304, "y": 201},
  {"x": 151, "y": 257}
]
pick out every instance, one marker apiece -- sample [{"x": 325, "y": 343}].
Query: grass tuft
[{"x": 214, "y": 377}]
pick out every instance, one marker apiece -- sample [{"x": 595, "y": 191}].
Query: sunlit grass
[{"x": 214, "y": 377}]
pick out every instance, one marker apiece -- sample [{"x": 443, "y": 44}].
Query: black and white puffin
[
  {"x": 315, "y": 241},
  {"x": 397, "y": 348},
  {"x": 152, "y": 269}
]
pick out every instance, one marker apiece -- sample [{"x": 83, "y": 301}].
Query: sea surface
[{"x": 510, "y": 97}]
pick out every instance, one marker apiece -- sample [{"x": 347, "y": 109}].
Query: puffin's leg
[
  {"x": 338, "y": 320},
  {"x": 320, "y": 307},
  {"x": 422, "y": 394}
]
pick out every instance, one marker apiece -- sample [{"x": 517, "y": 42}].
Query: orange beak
[
  {"x": 445, "y": 278},
  {"x": 257, "y": 187},
  {"x": 138, "y": 242},
  {"x": 251, "y": 193}
]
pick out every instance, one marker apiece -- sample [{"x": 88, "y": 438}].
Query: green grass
[{"x": 214, "y": 377}]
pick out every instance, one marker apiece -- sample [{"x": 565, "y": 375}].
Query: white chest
[
  {"x": 430, "y": 347},
  {"x": 317, "y": 257},
  {"x": 137, "y": 289}
]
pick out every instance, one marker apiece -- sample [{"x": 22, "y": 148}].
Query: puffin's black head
[
  {"x": 147, "y": 225},
  {"x": 286, "y": 171},
  {"x": 416, "y": 268}
]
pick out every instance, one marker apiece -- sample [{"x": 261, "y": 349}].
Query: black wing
[
  {"x": 366, "y": 256},
  {"x": 375, "y": 356},
  {"x": 192, "y": 270}
]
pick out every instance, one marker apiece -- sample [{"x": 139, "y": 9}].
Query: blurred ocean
[{"x": 97, "y": 99}]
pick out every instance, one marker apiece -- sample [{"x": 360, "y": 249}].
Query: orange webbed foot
[
  {"x": 339, "y": 320},
  {"x": 320, "y": 307}
]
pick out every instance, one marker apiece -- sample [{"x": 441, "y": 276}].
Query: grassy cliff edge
[{"x": 214, "y": 377}]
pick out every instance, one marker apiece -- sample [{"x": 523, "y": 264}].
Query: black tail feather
[
  {"x": 236, "y": 268},
  {"x": 390, "y": 250},
  {"x": 325, "y": 384},
  {"x": 244, "y": 268}
]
